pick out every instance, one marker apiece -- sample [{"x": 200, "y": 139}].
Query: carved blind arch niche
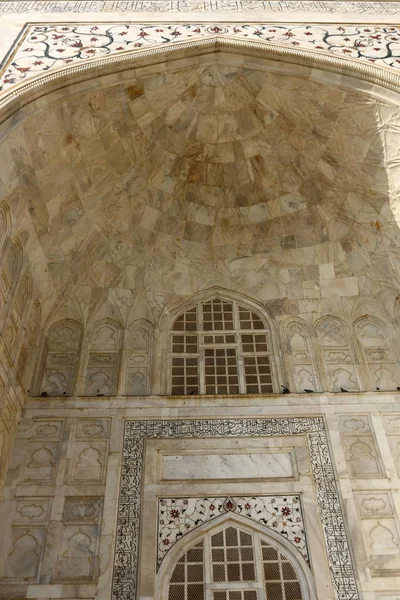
[
  {"x": 10, "y": 271},
  {"x": 338, "y": 355},
  {"x": 104, "y": 358},
  {"x": 233, "y": 559},
  {"x": 30, "y": 335},
  {"x": 302, "y": 364},
  {"x": 61, "y": 353},
  {"x": 18, "y": 313},
  {"x": 138, "y": 346},
  {"x": 219, "y": 342},
  {"x": 5, "y": 225},
  {"x": 378, "y": 353}
]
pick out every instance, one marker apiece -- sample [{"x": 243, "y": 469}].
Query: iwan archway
[{"x": 256, "y": 186}]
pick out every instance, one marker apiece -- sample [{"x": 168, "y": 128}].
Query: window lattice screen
[
  {"x": 220, "y": 347},
  {"x": 234, "y": 565},
  {"x": 187, "y": 580},
  {"x": 281, "y": 582},
  {"x": 236, "y": 595},
  {"x": 232, "y": 556}
]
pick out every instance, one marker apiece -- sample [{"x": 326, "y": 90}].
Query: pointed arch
[
  {"x": 223, "y": 331},
  {"x": 374, "y": 340},
  {"x": 60, "y": 357},
  {"x": 302, "y": 367},
  {"x": 105, "y": 344},
  {"x": 338, "y": 354},
  {"x": 19, "y": 310},
  {"x": 256, "y": 537}
]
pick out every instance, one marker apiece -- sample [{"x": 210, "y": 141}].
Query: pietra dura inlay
[
  {"x": 42, "y": 48},
  {"x": 281, "y": 513}
]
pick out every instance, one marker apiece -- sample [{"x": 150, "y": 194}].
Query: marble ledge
[
  {"x": 112, "y": 405},
  {"x": 43, "y": 490}
]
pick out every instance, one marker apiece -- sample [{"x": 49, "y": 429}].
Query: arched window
[
  {"x": 220, "y": 347},
  {"x": 233, "y": 564}
]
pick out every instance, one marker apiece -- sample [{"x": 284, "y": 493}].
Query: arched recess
[
  {"x": 18, "y": 313},
  {"x": 338, "y": 355},
  {"x": 302, "y": 366},
  {"x": 378, "y": 353},
  {"x": 104, "y": 358},
  {"x": 137, "y": 358},
  {"x": 5, "y": 226},
  {"x": 29, "y": 341},
  {"x": 60, "y": 358},
  {"x": 218, "y": 333},
  {"x": 10, "y": 270},
  {"x": 262, "y": 551}
]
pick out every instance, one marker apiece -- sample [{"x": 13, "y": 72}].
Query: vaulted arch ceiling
[{"x": 210, "y": 170}]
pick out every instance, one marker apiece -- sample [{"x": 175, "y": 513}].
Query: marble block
[{"x": 227, "y": 466}]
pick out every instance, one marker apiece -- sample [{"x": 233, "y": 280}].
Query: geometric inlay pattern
[
  {"x": 128, "y": 525},
  {"x": 50, "y": 46},
  {"x": 179, "y": 516}
]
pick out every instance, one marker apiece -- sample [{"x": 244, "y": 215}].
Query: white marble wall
[{"x": 59, "y": 507}]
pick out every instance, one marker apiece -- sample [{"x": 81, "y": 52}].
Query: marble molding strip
[
  {"x": 25, "y": 92},
  {"x": 42, "y": 48},
  {"x": 329, "y": 506},
  {"x": 198, "y": 6}
]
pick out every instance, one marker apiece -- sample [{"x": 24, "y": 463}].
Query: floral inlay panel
[
  {"x": 47, "y": 47},
  {"x": 179, "y": 516},
  {"x": 129, "y": 509}
]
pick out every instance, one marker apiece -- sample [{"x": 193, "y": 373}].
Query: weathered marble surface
[
  {"x": 55, "y": 535},
  {"x": 124, "y": 196},
  {"x": 220, "y": 466}
]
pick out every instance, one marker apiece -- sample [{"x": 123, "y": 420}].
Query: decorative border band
[
  {"x": 198, "y": 6},
  {"x": 128, "y": 523}
]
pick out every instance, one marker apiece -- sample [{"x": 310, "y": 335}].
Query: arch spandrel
[
  {"x": 327, "y": 45},
  {"x": 203, "y": 533}
]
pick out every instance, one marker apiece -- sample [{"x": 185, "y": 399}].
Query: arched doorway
[{"x": 232, "y": 559}]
